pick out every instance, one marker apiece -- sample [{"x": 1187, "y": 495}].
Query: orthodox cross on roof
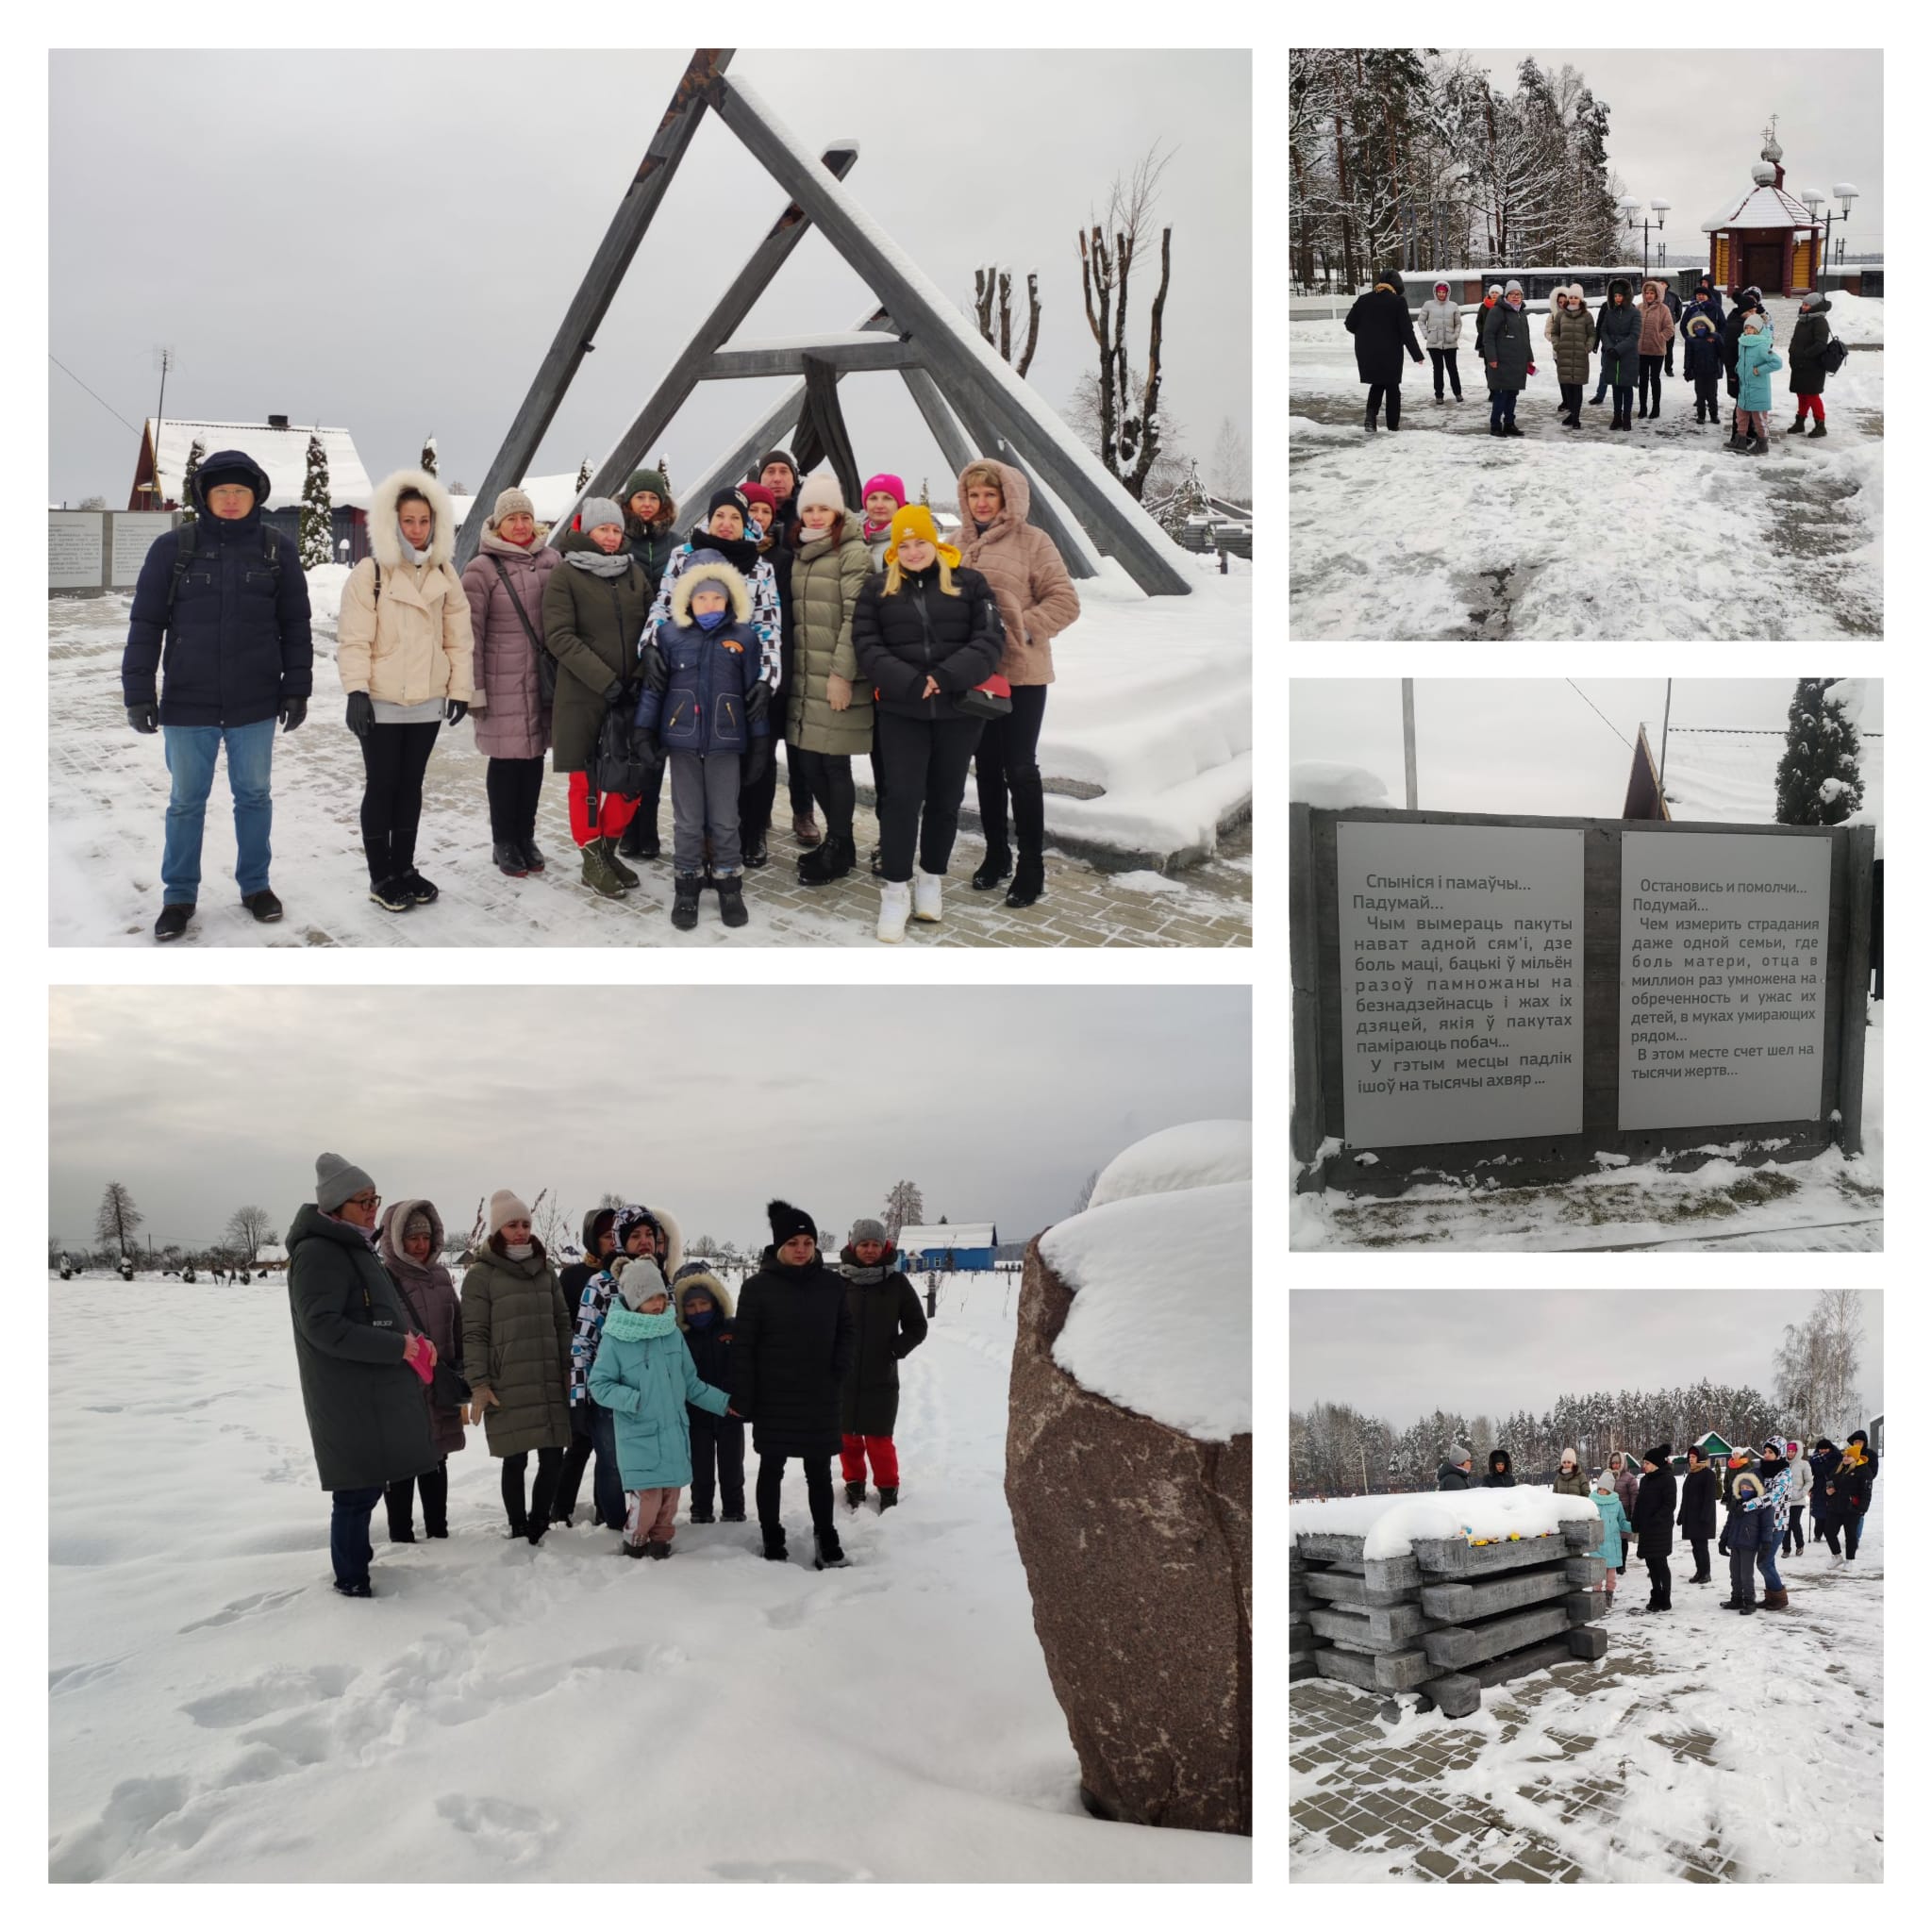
[
  {"x": 1771, "y": 150},
  {"x": 914, "y": 329}
]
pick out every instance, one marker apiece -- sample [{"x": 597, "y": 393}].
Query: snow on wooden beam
[{"x": 787, "y": 358}]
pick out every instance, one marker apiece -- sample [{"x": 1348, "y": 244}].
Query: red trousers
[
  {"x": 613, "y": 813},
  {"x": 853, "y": 1450},
  {"x": 1810, "y": 405}
]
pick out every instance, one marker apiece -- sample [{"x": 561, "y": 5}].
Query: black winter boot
[
  {"x": 830, "y": 1554},
  {"x": 888, "y": 1499},
  {"x": 831, "y": 858},
  {"x": 533, "y": 858},
  {"x": 658, "y": 1550},
  {"x": 684, "y": 910},
  {"x": 855, "y": 1495},
  {"x": 640, "y": 839},
  {"x": 1797, "y": 428},
  {"x": 774, "y": 1545},
  {"x": 751, "y": 845},
  {"x": 994, "y": 867},
  {"x": 1029, "y": 830},
  {"x": 1817, "y": 430},
  {"x": 731, "y": 900},
  {"x": 172, "y": 922},
  {"x": 507, "y": 857}
]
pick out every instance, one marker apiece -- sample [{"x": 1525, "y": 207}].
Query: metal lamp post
[{"x": 1630, "y": 205}]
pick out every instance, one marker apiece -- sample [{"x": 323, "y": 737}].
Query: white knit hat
[
  {"x": 508, "y": 504},
  {"x": 503, "y": 1206},
  {"x": 822, "y": 489}
]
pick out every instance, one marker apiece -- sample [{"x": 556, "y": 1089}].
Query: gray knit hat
[
  {"x": 598, "y": 509},
  {"x": 1458, "y": 1454},
  {"x": 640, "y": 1281},
  {"x": 870, "y": 1231},
  {"x": 1811, "y": 298},
  {"x": 336, "y": 1179},
  {"x": 1512, "y": 288},
  {"x": 510, "y": 503}
]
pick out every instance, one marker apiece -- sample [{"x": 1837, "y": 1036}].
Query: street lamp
[
  {"x": 1846, "y": 194},
  {"x": 1630, "y": 205}
]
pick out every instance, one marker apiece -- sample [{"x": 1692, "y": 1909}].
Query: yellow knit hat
[{"x": 915, "y": 520}]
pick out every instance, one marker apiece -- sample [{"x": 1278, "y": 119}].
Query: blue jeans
[
  {"x": 1502, "y": 407},
  {"x": 607, "y": 1486},
  {"x": 1767, "y": 1566},
  {"x": 348, "y": 1531},
  {"x": 192, "y": 751}
]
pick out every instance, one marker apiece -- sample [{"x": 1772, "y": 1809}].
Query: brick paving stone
[{"x": 1438, "y": 1864}]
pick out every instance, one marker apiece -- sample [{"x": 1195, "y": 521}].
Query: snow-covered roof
[
  {"x": 1390, "y": 1525},
  {"x": 1762, "y": 206},
  {"x": 550, "y": 496},
  {"x": 283, "y": 453},
  {"x": 1733, "y": 776},
  {"x": 954, "y": 1234}
]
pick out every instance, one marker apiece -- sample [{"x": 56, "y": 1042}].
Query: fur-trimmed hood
[
  {"x": 707, "y": 567},
  {"x": 385, "y": 539},
  {"x": 1014, "y": 487},
  {"x": 704, "y": 1278}
]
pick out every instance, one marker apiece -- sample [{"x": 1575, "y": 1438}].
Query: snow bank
[
  {"x": 1160, "y": 1320},
  {"x": 1202, "y": 1154},
  {"x": 1390, "y": 1524},
  {"x": 1855, "y": 318},
  {"x": 325, "y": 583},
  {"x": 1336, "y": 787}
]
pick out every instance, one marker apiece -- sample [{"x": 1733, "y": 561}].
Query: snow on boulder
[
  {"x": 1389, "y": 1525},
  {"x": 1202, "y": 1154},
  {"x": 1336, "y": 787}
]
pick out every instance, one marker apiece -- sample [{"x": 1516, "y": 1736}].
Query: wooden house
[{"x": 1765, "y": 238}]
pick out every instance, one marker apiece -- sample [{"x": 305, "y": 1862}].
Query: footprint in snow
[
  {"x": 282, "y": 1689},
  {"x": 242, "y": 1607},
  {"x": 134, "y": 1809},
  {"x": 516, "y": 1833}
]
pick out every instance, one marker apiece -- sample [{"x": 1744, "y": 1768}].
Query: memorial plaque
[
  {"x": 134, "y": 534},
  {"x": 1461, "y": 982},
  {"x": 73, "y": 549},
  {"x": 1725, "y": 941}
]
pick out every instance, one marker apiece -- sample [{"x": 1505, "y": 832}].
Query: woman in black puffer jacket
[{"x": 924, "y": 634}]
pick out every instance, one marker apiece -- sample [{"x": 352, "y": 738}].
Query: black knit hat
[
  {"x": 1660, "y": 1455},
  {"x": 787, "y": 1221},
  {"x": 778, "y": 456},
  {"x": 730, "y": 497}
]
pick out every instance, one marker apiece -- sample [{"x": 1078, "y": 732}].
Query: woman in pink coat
[
  {"x": 503, "y": 582},
  {"x": 1037, "y": 602}
]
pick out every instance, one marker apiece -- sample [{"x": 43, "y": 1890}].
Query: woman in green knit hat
[{"x": 650, "y": 525}]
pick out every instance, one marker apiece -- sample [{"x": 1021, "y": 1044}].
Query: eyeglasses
[{"x": 362, "y": 1201}]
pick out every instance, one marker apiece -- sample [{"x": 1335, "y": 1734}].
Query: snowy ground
[
  {"x": 1706, "y": 1746},
  {"x": 1148, "y": 730},
  {"x": 498, "y": 1712},
  {"x": 1827, "y": 1204},
  {"x": 1441, "y": 532}
]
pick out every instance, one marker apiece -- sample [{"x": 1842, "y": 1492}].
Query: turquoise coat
[
  {"x": 1616, "y": 1525},
  {"x": 643, "y": 1374},
  {"x": 1757, "y": 359}
]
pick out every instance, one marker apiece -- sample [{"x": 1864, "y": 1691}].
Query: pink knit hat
[{"x": 893, "y": 486}]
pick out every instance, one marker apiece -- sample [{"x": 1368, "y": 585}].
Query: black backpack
[
  {"x": 184, "y": 556},
  {"x": 621, "y": 764},
  {"x": 1833, "y": 356}
]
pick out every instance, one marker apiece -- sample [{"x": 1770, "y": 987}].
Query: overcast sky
[
  {"x": 1686, "y": 125},
  {"x": 998, "y": 1102},
  {"x": 1522, "y": 745},
  {"x": 386, "y": 242},
  {"x": 1399, "y": 1354}
]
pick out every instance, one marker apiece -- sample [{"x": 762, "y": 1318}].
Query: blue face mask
[
  {"x": 710, "y": 620},
  {"x": 697, "y": 1319}
]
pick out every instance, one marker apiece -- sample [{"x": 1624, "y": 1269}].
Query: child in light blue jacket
[
  {"x": 645, "y": 1375},
  {"x": 1616, "y": 1525}
]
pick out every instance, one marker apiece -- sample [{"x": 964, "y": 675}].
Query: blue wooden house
[{"x": 959, "y": 1247}]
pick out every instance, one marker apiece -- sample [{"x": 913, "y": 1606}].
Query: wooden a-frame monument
[{"x": 972, "y": 402}]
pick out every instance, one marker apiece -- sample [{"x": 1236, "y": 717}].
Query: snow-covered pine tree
[
  {"x": 584, "y": 473},
  {"x": 196, "y": 450},
  {"x": 1818, "y": 781},
  {"x": 318, "y": 514},
  {"x": 426, "y": 462}
]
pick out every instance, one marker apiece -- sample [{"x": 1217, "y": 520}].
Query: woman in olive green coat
[
  {"x": 595, "y": 606},
  {"x": 516, "y": 1356},
  {"x": 828, "y": 712}
]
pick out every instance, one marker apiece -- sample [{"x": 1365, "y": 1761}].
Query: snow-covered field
[
  {"x": 1150, "y": 721},
  {"x": 1440, "y": 532},
  {"x": 500, "y": 1712},
  {"x": 1759, "y": 1742}
]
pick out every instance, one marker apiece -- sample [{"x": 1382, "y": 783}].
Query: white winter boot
[
  {"x": 925, "y": 895},
  {"x": 895, "y": 908}
]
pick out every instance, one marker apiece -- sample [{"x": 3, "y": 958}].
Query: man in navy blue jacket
[{"x": 222, "y": 612}]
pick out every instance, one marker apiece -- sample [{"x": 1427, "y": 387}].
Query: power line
[
  {"x": 1621, "y": 738},
  {"x": 102, "y": 400}
]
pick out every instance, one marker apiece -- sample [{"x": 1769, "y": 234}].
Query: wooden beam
[
  {"x": 675, "y": 388},
  {"x": 789, "y": 359},
  {"x": 954, "y": 353},
  {"x": 594, "y": 294},
  {"x": 941, "y": 424}
]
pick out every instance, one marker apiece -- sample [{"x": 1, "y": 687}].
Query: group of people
[
  {"x": 632, "y": 1356},
  {"x": 1763, "y": 1497},
  {"x": 1635, "y": 343},
  {"x": 626, "y": 649}
]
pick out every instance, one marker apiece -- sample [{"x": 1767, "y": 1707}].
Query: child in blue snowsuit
[
  {"x": 1609, "y": 1508},
  {"x": 1703, "y": 360},
  {"x": 708, "y": 721}
]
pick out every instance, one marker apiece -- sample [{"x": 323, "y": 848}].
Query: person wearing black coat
[
  {"x": 888, "y": 1325},
  {"x": 789, "y": 1355},
  {"x": 717, "y": 1441},
  {"x": 1500, "y": 1475},
  {"x": 1454, "y": 1473},
  {"x": 1383, "y": 328},
  {"x": 1810, "y": 341},
  {"x": 355, "y": 1351},
  {"x": 1852, "y": 1486},
  {"x": 1824, "y": 1460},
  {"x": 221, "y": 611},
  {"x": 600, "y": 1243},
  {"x": 1697, "y": 1511},
  {"x": 1657, "y": 1506},
  {"x": 1602, "y": 370},
  {"x": 1674, "y": 302},
  {"x": 926, "y": 633}
]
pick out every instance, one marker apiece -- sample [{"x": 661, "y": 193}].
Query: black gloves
[
  {"x": 456, "y": 711},
  {"x": 146, "y": 717},
  {"x": 657, "y": 673},
  {"x": 361, "y": 715},
  {"x": 757, "y": 759},
  {"x": 293, "y": 711},
  {"x": 653, "y": 746},
  {"x": 758, "y": 700},
  {"x": 614, "y": 690}
]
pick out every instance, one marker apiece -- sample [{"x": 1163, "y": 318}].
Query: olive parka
[
  {"x": 888, "y": 1323},
  {"x": 368, "y": 1422},
  {"x": 828, "y": 574},
  {"x": 592, "y": 626},
  {"x": 516, "y": 1346}
]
